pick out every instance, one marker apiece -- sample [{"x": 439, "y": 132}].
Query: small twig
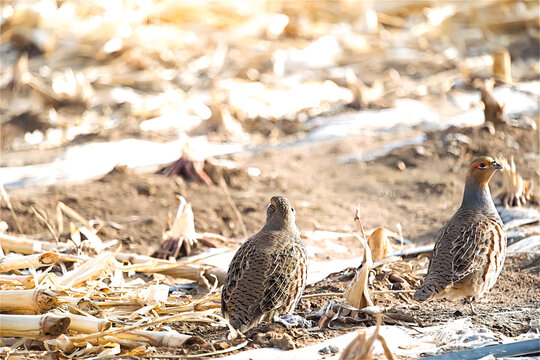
[
  {"x": 393, "y": 291},
  {"x": 73, "y": 214},
  {"x": 114, "y": 331},
  {"x": 211, "y": 236},
  {"x": 308, "y": 296},
  {"x": 5, "y": 196},
  {"x": 358, "y": 222},
  {"x": 41, "y": 354},
  {"x": 43, "y": 219},
  {"x": 223, "y": 184}
]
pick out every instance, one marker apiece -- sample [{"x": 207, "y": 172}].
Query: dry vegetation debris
[
  {"x": 241, "y": 71},
  {"x": 84, "y": 286},
  {"x": 232, "y": 70}
]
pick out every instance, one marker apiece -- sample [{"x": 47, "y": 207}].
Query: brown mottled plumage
[
  {"x": 470, "y": 249},
  {"x": 268, "y": 273}
]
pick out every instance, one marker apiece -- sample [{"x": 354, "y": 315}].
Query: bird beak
[{"x": 497, "y": 166}]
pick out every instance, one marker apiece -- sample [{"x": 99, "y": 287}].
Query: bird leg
[{"x": 474, "y": 313}]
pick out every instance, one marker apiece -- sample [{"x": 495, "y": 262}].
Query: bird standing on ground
[
  {"x": 267, "y": 275},
  {"x": 470, "y": 249}
]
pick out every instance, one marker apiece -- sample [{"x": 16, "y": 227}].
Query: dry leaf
[
  {"x": 515, "y": 190},
  {"x": 358, "y": 294},
  {"x": 361, "y": 348},
  {"x": 379, "y": 243}
]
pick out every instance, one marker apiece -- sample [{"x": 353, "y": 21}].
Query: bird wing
[
  {"x": 470, "y": 247},
  {"x": 280, "y": 279},
  {"x": 440, "y": 264},
  {"x": 235, "y": 274}
]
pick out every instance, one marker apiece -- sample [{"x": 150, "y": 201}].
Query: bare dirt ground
[{"x": 420, "y": 196}]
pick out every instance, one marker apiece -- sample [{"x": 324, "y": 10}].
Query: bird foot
[
  {"x": 289, "y": 320},
  {"x": 470, "y": 300}
]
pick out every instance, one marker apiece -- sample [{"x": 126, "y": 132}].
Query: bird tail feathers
[{"x": 422, "y": 294}]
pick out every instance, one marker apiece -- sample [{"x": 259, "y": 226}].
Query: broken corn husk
[
  {"x": 361, "y": 348},
  {"x": 87, "y": 324},
  {"x": 28, "y": 301},
  {"x": 379, "y": 244},
  {"x": 358, "y": 294},
  {"x": 26, "y": 281},
  {"x": 493, "y": 109},
  {"x": 204, "y": 274},
  {"x": 181, "y": 237},
  {"x": 25, "y": 245},
  {"x": 515, "y": 191},
  {"x": 170, "y": 338},
  {"x": 86, "y": 271},
  {"x": 33, "y": 326},
  {"x": 502, "y": 66},
  {"x": 30, "y": 261}
]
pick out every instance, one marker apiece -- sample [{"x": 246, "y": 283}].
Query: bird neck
[
  {"x": 477, "y": 195},
  {"x": 280, "y": 225}
]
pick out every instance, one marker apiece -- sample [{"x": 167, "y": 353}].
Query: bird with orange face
[{"x": 470, "y": 249}]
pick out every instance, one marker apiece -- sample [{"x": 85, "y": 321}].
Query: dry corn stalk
[
  {"x": 181, "y": 237},
  {"x": 4, "y": 195},
  {"x": 86, "y": 271},
  {"x": 502, "y": 68},
  {"x": 23, "y": 262},
  {"x": 515, "y": 190},
  {"x": 358, "y": 294},
  {"x": 203, "y": 274},
  {"x": 67, "y": 86},
  {"x": 223, "y": 122},
  {"x": 81, "y": 227},
  {"x": 493, "y": 110},
  {"x": 363, "y": 95},
  {"x": 28, "y": 301},
  {"x": 188, "y": 166},
  {"x": 379, "y": 243},
  {"x": 205, "y": 316},
  {"x": 27, "y": 281},
  {"x": 24, "y": 245},
  {"x": 87, "y": 324},
  {"x": 361, "y": 348},
  {"x": 169, "y": 338},
  {"x": 33, "y": 326}
]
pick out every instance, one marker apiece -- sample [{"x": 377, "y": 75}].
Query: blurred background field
[
  {"x": 329, "y": 103},
  {"x": 250, "y": 72}
]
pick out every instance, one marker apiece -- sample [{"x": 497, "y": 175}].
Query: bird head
[
  {"x": 482, "y": 169},
  {"x": 280, "y": 212}
]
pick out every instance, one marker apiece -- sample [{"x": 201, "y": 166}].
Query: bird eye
[
  {"x": 481, "y": 166},
  {"x": 293, "y": 210},
  {"x": 271, "y": 208}
]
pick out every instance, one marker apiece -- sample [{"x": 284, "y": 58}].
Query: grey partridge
[
  {"x": 267, "y": 275},
  {"x": 470, "y": 249}
]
